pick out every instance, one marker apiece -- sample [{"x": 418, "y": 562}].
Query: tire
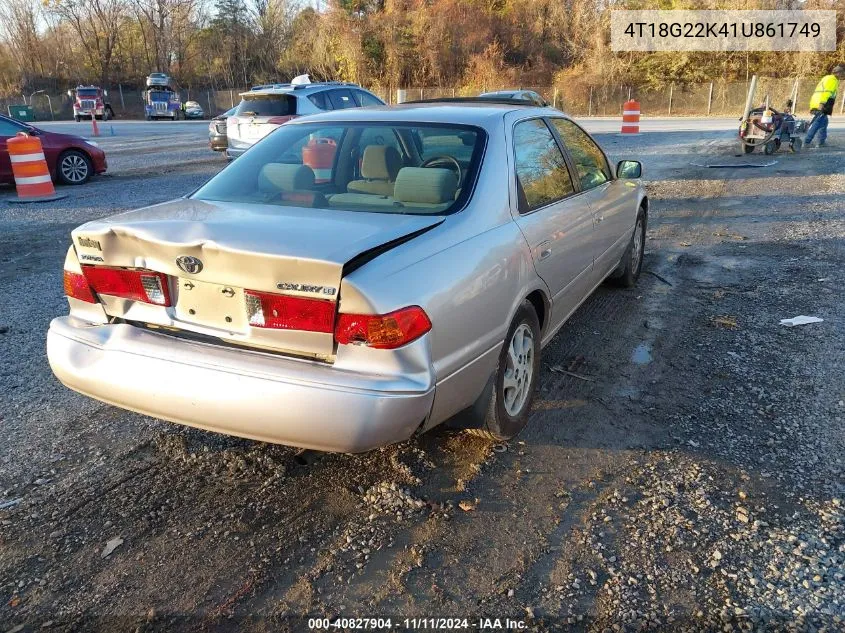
[
  {"x": 632, "y": 260},
  {"x": 748, "y": 148},
  {"x": 509, "y": 408},
  {"x": 770, "y": 148},
  {"x": 74, "y": 167}
]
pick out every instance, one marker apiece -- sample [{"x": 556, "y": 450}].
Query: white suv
[{"x": 265, "y": 108}]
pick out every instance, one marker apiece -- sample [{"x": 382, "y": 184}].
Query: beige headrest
[
  {"x": 425, "y": 185},
  {"x": 380, "y": 162},
  {"x": 283, "y": 177}
]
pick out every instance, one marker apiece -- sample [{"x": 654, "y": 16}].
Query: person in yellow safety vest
[{"x": 821, "y": 105}]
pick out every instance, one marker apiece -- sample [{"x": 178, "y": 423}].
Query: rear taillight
[
  {"x": 138, "y": 285},
  {"x": 382, "y": 331},
  {"x": 278, "y": 120},
  {"x": 282, "y": 312},
  {"x": 76, "y": 286}
]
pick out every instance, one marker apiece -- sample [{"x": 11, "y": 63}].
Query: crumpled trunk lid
[{"x": 213, "y": 252}]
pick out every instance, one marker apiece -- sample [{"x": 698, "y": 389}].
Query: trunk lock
[
  {"x": 188, "y": 285},
  {"x": 229, "y": 292}
]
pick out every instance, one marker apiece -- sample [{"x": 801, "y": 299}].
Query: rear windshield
[
  {"x": 267, "y": 105},
  {"x": 374, "y": 167},
  {"x": 87, "y": 92}
]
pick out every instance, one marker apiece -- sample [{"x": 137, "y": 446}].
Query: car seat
[
  {"x": 379, "y": 168},
  {"x": 293, "y": 183}
]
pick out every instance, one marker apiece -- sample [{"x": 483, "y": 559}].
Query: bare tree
[
  {"x": 97, "y": 23},
  {"x": 19, "y": 28}
]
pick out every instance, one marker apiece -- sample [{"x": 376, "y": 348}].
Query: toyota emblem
[{"x": 189, "y": 264}]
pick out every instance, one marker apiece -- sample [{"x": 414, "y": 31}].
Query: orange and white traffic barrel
[
  {"x": 319, "y": 154},
  {"x": 32, "y": 176},
  {"x": 631, "y": 117}
]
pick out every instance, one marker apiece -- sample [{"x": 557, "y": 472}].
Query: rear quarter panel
[{"x": 469, "y": 274}]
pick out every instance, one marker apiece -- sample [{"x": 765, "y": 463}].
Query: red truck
[{"x": 90, "y": 101}]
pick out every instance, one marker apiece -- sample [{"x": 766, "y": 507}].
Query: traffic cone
[
  {"x": 95, "y": 129},
  {"x": 32, "y": 176}
]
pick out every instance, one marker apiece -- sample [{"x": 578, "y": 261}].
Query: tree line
[{"x": 471, "y": 44}]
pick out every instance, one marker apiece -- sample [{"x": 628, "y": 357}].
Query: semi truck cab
[
  {"x": 90, "y": 101},
  {"x": 162, "y": 103}
]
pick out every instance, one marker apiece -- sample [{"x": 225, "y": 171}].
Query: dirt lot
[{"x": 683, "y": 469}]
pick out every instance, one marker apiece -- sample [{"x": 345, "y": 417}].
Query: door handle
[{"x": 545, "y": 253}]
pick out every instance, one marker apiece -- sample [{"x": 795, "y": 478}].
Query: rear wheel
[
  {"x": 74, "y": 167},
  {"x": 515, "y": 379}
]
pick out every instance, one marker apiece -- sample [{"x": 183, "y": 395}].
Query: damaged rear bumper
[{"x": 237, "y": 392}]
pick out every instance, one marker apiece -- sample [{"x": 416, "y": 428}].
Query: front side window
[
  {"x": 371, "y": 167},
  {"x": 542, "y": 176},
  {"x": 267, "y": 105},
  {"x": 368, "y": 100},
  {"x": 589, "y": 160}
]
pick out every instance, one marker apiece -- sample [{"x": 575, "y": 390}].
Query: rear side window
[
  {"x": 267, "y": 105},
  {"x": 542, "y": 176},
  {"x": 321, "y": 100},
  {"x": 367, "y": 99},
  {"x": 589, "y": 160},
  {"x": 342, "y": 99}
]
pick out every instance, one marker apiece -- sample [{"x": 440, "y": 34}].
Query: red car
[{"x": 71, "y": 159}]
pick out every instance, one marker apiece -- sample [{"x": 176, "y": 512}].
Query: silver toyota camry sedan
[{"x": 354, "y": 278}]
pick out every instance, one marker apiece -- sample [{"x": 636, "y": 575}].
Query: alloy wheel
[
  {"x": 637, "y": 248},
  {"x": 74, "y": 168},
  {"x": 519, "y": 371}
]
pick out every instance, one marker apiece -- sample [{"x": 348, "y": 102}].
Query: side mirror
[{"x": 629, "y": 169}]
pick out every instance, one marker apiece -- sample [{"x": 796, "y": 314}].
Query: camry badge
[
  {"x": 189, "y": 264},
  {"x": 326, "y": 290}
]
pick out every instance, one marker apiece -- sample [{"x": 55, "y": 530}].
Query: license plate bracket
[{"x": 212, "y": 305}]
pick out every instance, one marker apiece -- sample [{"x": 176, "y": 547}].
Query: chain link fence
[{"x": 578, "y": 98}]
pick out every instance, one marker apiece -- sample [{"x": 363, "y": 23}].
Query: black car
[{"x": 217, "y": 131}]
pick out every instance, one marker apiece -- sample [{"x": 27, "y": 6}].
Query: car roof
[
  {"x": 484, "y": 113},
  {"x": 298, "y": 88}
]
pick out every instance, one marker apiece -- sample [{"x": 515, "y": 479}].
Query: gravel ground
[{"x": 683, "y": 469}]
